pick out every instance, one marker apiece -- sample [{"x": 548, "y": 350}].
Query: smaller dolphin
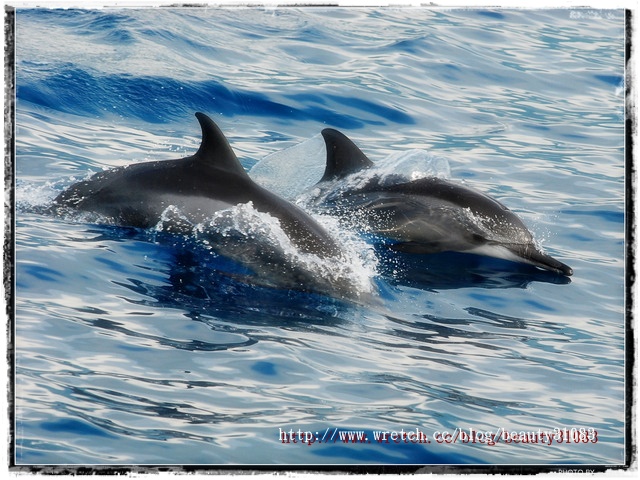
[
  {"x": 428, "y": 215},
  {"x": 209, "y": 181}
]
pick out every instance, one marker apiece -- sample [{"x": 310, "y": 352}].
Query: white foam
[{"x": 30, "y": 196}]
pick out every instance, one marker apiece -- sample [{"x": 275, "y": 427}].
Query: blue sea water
[{"x": 139, "y": 348}]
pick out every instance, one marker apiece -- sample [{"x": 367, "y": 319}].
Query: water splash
[
  {"x": 257, "y": 240},
  {"x": 294, "y": 171}
]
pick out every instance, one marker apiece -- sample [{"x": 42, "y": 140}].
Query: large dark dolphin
[
  {"x": 198, "y": 186},
  {"x": 428, "y": 215}
]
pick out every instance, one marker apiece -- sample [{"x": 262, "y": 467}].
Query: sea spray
[{"x": 257, "y": 241}]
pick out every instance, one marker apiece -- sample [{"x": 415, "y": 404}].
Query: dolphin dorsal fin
[
  {"x": 215, "y": 149},
  {"x": 343, "y": 156}
]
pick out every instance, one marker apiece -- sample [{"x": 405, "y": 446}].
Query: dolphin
[
  {"x": 427, "y": 215},
  {"x": 209, "y": 181}
]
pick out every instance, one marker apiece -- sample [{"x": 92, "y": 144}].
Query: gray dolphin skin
[
  {"x": 209, "y": 181},
  {"x": 428, "y": 215}
]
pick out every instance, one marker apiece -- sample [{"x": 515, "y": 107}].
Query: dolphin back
[{"x": 211, "y": 180}]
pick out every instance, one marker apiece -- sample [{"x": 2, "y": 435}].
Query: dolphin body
[
  {"x": 209, "y": 181},
  {"x": 428, "y": 215}
]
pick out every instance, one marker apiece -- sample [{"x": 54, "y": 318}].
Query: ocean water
[{"x": 144, "y": 348}]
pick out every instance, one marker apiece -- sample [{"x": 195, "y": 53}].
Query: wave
[{"x": 158, "y": 99}]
